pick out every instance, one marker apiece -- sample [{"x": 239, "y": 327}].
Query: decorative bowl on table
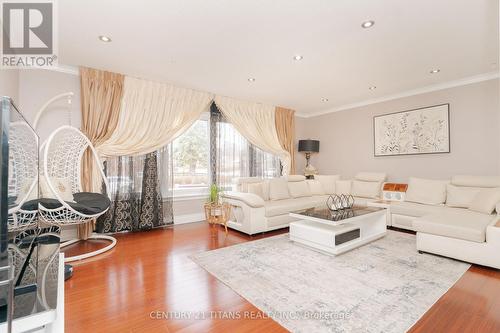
[{"x": 337, "y": 202}]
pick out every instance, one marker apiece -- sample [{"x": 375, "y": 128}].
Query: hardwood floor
[{"x": 134, "y": 286}]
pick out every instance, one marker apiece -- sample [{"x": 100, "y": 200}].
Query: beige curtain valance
[
  {"x": 256, "y": 122},
  {"x": 152, "y": 114}
]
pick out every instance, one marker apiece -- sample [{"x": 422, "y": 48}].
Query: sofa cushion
[
  {"x": 343, "y": 187},
  {"x": 315, "y": 187},
  {"x": 476, "y": 181},
  {"x": 298, "y": 189},
  {"x": 366, "y": 189},
  {"x": 371, "y": 176},
  {"x": 278, "y": 189},
  {"x": 486, "y": 200},
  {"x": 426, "y": 191},
  {"x": 461, "y": 224},
  {"x": 327, "y": 182},
  {"x": 460, "y": 196},
  {"x": 414, "y": 209},
  {"x": 260, "y": 189}
]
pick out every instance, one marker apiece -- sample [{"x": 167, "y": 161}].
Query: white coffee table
[{"x": 338, "y": 232}]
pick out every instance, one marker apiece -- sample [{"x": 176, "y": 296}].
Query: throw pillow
[
  {"x": 485, "y": 200},
  {"x": 327, "y": 182},
  {"x": 426, "y": 191},
  {"x": 460, "y": 196},
  {"x": 61, "y": 185},
  {"x": 299, "y": 189},
  {"x": 366, "y": 189},
  {"x": 257, "y": 189},
  {"x": 315, "y": 187},
  {"x": 278, "y": 189}
]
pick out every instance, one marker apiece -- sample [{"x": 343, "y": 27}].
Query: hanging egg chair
[
  {"x": 63, "y": 202},
  {"x": 23, "y": 179}
]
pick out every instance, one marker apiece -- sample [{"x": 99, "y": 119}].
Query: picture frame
[{"x": 418, "y": 131}]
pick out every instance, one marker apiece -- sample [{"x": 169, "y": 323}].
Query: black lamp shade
[{"x": 309, "y": 146}]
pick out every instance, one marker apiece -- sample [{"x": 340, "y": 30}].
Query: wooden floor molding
[{"x": 148, "y": 278}]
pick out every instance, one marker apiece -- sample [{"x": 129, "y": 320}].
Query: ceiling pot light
[
  {"x": 367, "y": 24},
  {"x": 324, "y": 99},
  {"x": 372, "y": 87},
  {"x": 434, "y": 71},
  {"x": 251, "y": 79},
  {"x": 104, "y": 39},
  {"x": 298, "y": 57}
]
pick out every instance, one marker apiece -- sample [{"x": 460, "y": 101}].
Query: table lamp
[{"x": 308, "y": 147}]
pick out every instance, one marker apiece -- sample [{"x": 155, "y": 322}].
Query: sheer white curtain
[
  {"x": 152, "y": 114},
  {"x": 256, "y": 122}
]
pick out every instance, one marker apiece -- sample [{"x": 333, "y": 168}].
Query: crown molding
[{"x": 435, "y": 87}]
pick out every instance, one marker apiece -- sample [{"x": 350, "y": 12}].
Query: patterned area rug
[{"x": 385, "y": 286}]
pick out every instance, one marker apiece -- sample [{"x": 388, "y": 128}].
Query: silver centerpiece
[{"x": 337, "y": 202}]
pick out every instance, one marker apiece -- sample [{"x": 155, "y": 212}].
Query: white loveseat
[{"x": 261, "y": 205}]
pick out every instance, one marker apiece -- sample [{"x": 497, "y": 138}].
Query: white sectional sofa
[
  {"x": 454, "y": 218},
  {"x": 261, "y": 205}
]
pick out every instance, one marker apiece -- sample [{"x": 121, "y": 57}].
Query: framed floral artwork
[{"x": 419, "y": 131}]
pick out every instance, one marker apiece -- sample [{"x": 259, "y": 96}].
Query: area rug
[{"x": 385, "y": 286}]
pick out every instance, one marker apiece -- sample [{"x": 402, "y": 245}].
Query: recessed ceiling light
[
  {"x": 104, "y": 39},
  {"x": 372, "y": 87},
  {"x": 434, "y": 71},
  {"x": 324, "y": 99},
  {"x": 251, "y": 79},
  {"x": 298, "y": 57},
  {"x": 367, "y": 24}
]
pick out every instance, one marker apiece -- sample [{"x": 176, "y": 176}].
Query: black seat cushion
[
  {"x": 87, "y": 203},
  {"x": 30, "y": 205}
]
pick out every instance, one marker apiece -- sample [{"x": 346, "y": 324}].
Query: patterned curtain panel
[
  {"x": 141, "y": 192},
  {"x": 232, "y": 156}
]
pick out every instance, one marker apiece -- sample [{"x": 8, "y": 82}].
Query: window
[
  {"x": 191, "y": 159},
  {"x": 213, "y": 150}
]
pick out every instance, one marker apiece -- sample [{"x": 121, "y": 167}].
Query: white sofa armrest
[{"x": 250, "y": 199}]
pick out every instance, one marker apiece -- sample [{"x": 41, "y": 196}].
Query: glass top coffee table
[{"x": 336, "y": 232}]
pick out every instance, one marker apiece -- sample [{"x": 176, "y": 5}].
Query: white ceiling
[{"x": 216, "y": 45}]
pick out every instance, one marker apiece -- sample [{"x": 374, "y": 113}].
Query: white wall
[
  {"x": 347, "y": 136},
  {"x": 9, "y": 84},
  {"x": 37, "y": 86},
  {"x": 301, "y": 133}
]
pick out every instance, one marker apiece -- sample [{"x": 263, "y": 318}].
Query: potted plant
[
  {"x": 215, "y": 211},
  {"x": 214, "y": 201}
]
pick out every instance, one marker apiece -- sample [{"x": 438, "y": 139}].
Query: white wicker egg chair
[
  {"x": 23, "y": 180},
  {"x": 62, "y": 155}
]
